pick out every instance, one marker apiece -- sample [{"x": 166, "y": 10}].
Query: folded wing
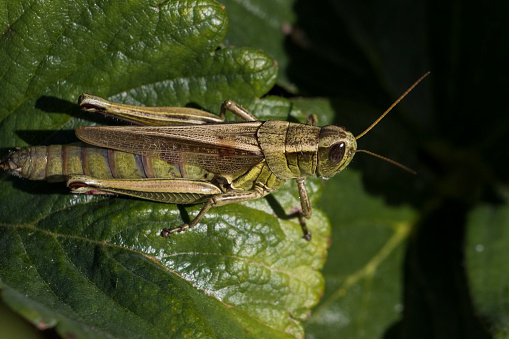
[{"x": 219, "y": 148}]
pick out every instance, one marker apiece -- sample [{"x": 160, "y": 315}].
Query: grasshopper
[{"x": 188, "y": 156}]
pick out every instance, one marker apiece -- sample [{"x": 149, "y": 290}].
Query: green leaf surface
[
  {"x": 264, "y": 25},
  {"x": 487, "y": 250},
  {"x": 97, "y": 267},
  {"x": 363, "y": 278}
]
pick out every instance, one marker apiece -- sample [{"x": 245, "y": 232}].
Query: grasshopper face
[{"x": 336, "y": 149}]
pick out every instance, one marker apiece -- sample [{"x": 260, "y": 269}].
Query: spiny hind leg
[
  {"x": 219, "y": 200},
  {"x": 170, "y": 191}
]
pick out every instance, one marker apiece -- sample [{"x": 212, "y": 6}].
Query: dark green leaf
[
  {"x": 264, "y": 25},
  {"x": 487, "y": 252},
  {"x": 97, "y": 267}
]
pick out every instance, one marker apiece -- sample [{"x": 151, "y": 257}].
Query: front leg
[
  {"x": 312, "y": 120},
  {"x": 306, "y": 210},
  {"x": 220, "y": 200}
]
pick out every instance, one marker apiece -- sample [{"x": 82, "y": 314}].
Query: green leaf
[
  {"x": 486, "y": 253},
  {"x": 363, "y": 278},
  {"x": 264, "y": 25},
  {"x": 97, "y": 267}
]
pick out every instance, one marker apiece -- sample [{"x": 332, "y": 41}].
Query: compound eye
[{"x": 337, "y": 152}]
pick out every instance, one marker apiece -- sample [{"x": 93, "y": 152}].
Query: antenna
[
  {"x": 403, "y": 167},
  {"x": 380, "y": 118},
  {"x": 391, "y": 107}
]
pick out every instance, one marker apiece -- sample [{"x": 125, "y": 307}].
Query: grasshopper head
[
  {"x": 337, "y": 146},
  {"x": 336, "y": 149}
]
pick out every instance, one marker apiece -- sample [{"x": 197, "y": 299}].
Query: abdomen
[{"x": 58, "y": 162}]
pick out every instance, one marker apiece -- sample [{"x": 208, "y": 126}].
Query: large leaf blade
[{"x": 91, "y": 265}]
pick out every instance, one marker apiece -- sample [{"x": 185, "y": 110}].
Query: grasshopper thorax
[{"x": 336, "y": 149}]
